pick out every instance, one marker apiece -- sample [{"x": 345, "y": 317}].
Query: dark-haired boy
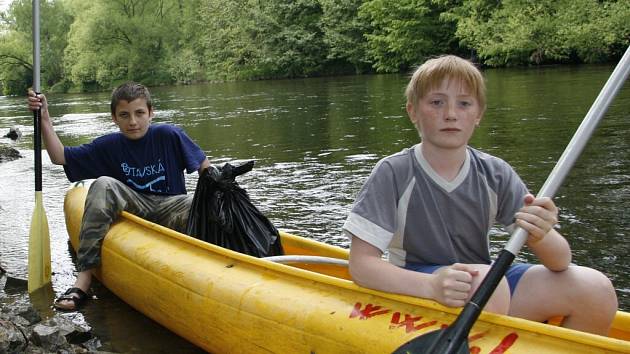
[{"x": 139, "y": 169}]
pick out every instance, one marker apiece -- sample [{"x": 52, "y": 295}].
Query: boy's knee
[
  {"x": 102, "y": 183},
  {"x": 592, "y": 286},
  {"x": 106, "y": 198},
  {"x": 593, "y": 298},
  {"x": 499, "y": 302},
  {"x": 597, "y": 283}
]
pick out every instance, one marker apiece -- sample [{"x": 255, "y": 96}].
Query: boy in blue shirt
[
  {"x": 431, "y": 208},
  {"x": 139, "y": 169}
]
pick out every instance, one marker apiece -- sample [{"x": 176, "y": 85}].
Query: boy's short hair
[
  {"x": 130, "y": 91},
  {"x": 430, "y": 74}
]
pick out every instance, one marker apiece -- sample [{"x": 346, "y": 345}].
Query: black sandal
[{"x": 76, "y": 295}]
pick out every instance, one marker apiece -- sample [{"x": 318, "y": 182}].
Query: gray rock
[
  {"x": 65, "y": 325},
  {"x": 19, "y": 320},
  {"x": 74, "y": 333},
  {"x": 49, "y": 338},
  {"x": 8, "y": 153},
  {"x": 33, "y": 349},
  {"x": 92, "y": 345},
  {"x": 28, "y": 313},
  {"x": 14, "y": 133},
  {"x": 14, "y": 285},
  {"x": 12, "y": 339},
  {"x": 23, "y": 331}
]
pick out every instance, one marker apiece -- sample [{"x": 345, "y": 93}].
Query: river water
[{"x": 314, "y": 142}]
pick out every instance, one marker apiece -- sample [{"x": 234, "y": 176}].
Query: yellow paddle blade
[
  {"x": 41, "y": 300},
  {"x": 38, "y": 247}
]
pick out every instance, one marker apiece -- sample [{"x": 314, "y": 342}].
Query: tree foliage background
[{"x": 94, "y": 45}]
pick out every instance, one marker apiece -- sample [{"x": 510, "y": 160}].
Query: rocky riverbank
[{"x": 25, "y": 329}]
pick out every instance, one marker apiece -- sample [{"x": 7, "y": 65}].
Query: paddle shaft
[
  {"x": 37, "y": 135},
  {"x": 457, "y": 333}
]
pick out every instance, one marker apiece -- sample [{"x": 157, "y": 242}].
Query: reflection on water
[{"x": 315, "y": 141}]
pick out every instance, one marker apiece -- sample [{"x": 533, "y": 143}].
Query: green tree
[
  {"x": 95, "y": 44},
  {"x": 293, "y": 37},
  {"x": 16, "y": 43},
  {"x": 231, "y": 39},
  {"x": 250, "y": 39},
  {"x": 520, "y": 32},
  {"x": 403, "y": 33},
  {"x": 343, "y": 34},
  {"x": 185, "y": 52},
  {"x": 115, "y": 40},
  {"x": 596, "y": 31}
]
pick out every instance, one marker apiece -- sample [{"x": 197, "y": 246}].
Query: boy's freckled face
[
  {"x": 446, "y": 115},
  {"x": 133, "y": 118}
]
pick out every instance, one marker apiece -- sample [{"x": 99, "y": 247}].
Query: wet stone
[
  {"x": 8, "y": 153},
  {"x": 14, "y": 133},
  {"x": 12, "y": 340},
  {"x": 32, "y": 349},
  {"x": 92, "y": 345},
  {"x": 28, "y": 313},
  {"x": 22, "y": 330},
  {"x": 14, "y": 285},
  {"x": 49, "y": 338}
]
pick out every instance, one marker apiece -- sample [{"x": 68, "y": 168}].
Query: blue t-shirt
[{"x": 152, "y": 164}]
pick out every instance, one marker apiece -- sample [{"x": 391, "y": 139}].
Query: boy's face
[
  {"x": 133, "y": 118},
  {"x": 447, "y": 115}
]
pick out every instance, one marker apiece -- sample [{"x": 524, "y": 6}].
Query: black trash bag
[{"x": 222, "y": 214}]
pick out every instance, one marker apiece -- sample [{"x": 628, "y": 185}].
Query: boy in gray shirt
[{"x": 431, "y": 207}]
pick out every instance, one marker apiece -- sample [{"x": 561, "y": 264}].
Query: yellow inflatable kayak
[{"x": 227, "y": 302}]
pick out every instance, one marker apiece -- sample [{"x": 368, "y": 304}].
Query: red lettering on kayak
[
  {"x": 505, "y": 344},
  {"x": 369, "y": 311},
  {"x": 476, "y": 336},
  {"x": 408, "y": 322}
]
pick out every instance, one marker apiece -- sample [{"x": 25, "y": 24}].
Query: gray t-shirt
[{"x": 407, "y": 208}]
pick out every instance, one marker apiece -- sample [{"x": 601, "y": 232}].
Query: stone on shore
[
  {"x": 8, "y": 153},
  {"x": 22, "y": 329},
  {"x": 14, "y": 133},
  {"x": 12, "y": 340}
]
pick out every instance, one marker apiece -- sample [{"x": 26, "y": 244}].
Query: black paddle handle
[
  {"x": 457, "y": 333},
  {"x": 37, "y": 148}
]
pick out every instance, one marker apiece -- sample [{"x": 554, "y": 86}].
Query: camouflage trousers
[{"x": 107, "y": 198}]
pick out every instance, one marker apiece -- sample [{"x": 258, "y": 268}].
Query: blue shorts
[{"x": 513, "y": 274}]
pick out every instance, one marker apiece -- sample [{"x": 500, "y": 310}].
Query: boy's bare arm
[
  {"x": 553, "y": 251},
  {"x": 51, "y": 140},
  {"x": 205, "y": 164},
  {"x": 368, "y": 269},
  {"x": 538, "y": 217},
  {"x": 451, "y": 286}
]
